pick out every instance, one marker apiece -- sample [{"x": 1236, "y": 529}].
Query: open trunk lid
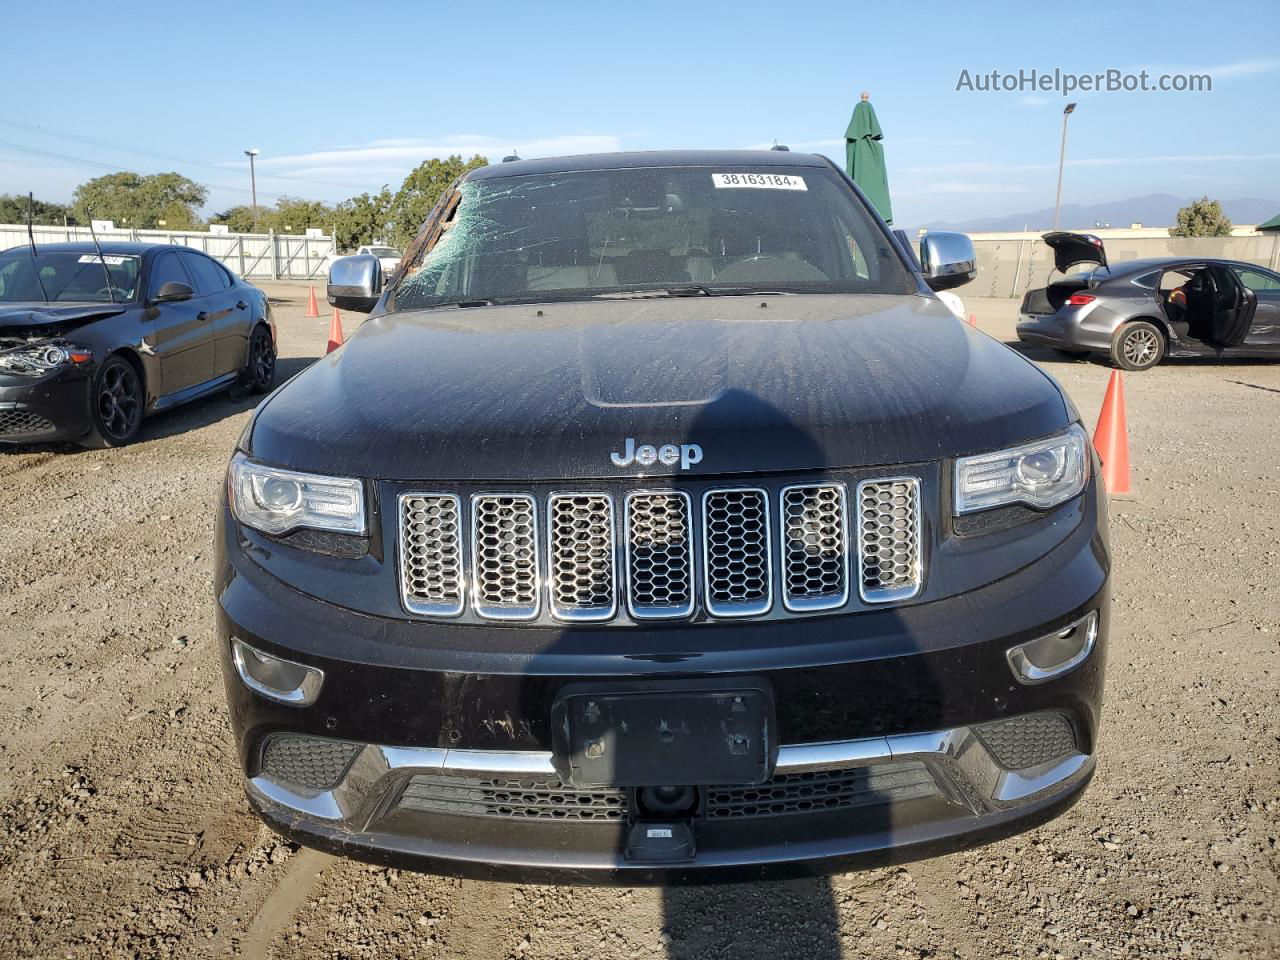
[{"x": 1072, "y": 248}]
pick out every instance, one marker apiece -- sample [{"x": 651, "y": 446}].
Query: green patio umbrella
[{"x": 865, "y": 157}]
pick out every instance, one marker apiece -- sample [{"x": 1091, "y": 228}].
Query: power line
[
  {"x": 93, "y": 141},
  {"x": 68, "y": 158}
]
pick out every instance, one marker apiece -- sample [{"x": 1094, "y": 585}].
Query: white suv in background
[{"x": 389, "y": 257}]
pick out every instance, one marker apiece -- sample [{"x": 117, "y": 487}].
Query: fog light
[
  {"x": 1050, "y": 656},
  {"x": 274, "y": 678}
]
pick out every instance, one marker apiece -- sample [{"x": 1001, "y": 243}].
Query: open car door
[{"x": 1233, "y": 307}]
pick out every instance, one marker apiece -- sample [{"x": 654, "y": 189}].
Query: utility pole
[
  {"x": 1062, "y": 155},
  {"x": 253, "y": 183}
]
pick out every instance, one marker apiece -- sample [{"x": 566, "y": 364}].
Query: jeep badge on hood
[{"x": 646, "y": 455}]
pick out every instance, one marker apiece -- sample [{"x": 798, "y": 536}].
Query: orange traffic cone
[
  {"x": 973, "y": 320},
  {"x": 335, "y": 332},
  {"x": 312, "y": 311},
  {"x": 1111, "y": 438}
]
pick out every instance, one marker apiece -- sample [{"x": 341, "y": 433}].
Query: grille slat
[
  {"x": 890, "y": 559},
  {"x": 735, "y": 546},
  {"x": 504, "y": 556},
  {"x": 815, "y": 550},
  {"x": 659, "y": 539},
  {"x": 581, "y": 551},
  {"x": 431, "y": 579}
]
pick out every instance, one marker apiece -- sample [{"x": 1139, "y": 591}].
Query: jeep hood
[{"x": 547, "y": 391}]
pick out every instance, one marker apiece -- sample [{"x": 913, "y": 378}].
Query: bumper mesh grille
[
  {"x": 735, "y": 528},
  {"x": 819, "y": 790},
  {"x": 815, "y": 557},
  {"x": 889, "y": 539},
  {"x": 659, "y": 555},
  {"x": 504, "y": 549},
  {"x": 581, "y": 546},
  {"x": 1021, "y": 742},
  {"x": 23, "y": 423},
  {"x": 516, "y": 799},
  {"x": 313, "y": 762},
  {"x": 431, "y": 580}
]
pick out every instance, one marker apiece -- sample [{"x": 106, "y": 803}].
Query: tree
[
  {"x": 13, "y": 209},
  {"x": 238, "y": 219},
  {"x": 294, "y": 215},
  {"x": 1201, "y": 218},
  {"x": 363, "y": 219},
  {"x": 135, "y": 200},
  {"x": 420, "y": 191}
]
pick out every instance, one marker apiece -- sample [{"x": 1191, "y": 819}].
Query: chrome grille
[
  {"x": 889, "y": 553},
  {"x": 580, "y": 538},
  {"x": 431, "y": 580},
  {"x": 504, "y": 552},
  {"x": 829, "y": 536},
  {"x": 659, "y": 539},
  {"x": 735, "y": 545},
  {"x": 815, "y": 555}
]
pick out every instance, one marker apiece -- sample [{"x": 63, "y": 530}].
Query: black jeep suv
[{"x": 660, "y": 524}]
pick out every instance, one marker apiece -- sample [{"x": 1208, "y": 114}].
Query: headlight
[
  {"x": 1044, "y": 473},
  {"x": 39, "y": 358},
  {"x": 274, "y": 500}
]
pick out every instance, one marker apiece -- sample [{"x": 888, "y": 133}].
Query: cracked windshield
[{"x": 674, "y": 231}]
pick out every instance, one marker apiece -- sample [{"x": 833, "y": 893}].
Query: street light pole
[
  {"x": 1062, "y": 154},
  {"x": 253, "y": 184}
]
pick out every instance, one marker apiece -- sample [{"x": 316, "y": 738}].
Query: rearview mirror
[
  {"x": 355, "y": 283},
  {"x": 173, "y": 292},
  {"x": 948, "y": 260}
]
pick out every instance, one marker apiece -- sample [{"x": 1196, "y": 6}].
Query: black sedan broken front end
[{"x": 646, "y": 585}]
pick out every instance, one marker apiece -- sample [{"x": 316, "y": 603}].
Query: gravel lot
[{"x": 124, "y": 831}]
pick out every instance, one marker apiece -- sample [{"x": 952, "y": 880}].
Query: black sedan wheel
[
  {"x": 260, "y": 374},
  {"x": 1137, "y": 346},
  {"x": 116, "y": 404}
]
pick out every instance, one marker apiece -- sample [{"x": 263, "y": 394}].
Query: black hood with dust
[
  {"x": 527, "y": 392},
  {"x": 36, "y": 315}
]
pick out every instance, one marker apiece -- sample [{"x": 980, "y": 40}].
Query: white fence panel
[{"x": 259, "y": 256}]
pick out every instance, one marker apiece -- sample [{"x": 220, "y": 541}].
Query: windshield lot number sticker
[
  {"x": 758, "y": 181},
  {"x": 108, "y": 260}
]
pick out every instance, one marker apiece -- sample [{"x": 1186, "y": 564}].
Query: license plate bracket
[{"x": 664, "y": 733}]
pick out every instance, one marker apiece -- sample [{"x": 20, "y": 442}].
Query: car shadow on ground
[
  {"x": 184, "y": 419},
  {"x": 795, "y": 918}
]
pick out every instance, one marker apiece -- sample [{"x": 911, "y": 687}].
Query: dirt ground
[{"x": 124, "y": 831}]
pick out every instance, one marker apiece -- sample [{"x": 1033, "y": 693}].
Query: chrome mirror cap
[
  {"x": 948, "y": 260},
  {"x": 355, "y": 283}
]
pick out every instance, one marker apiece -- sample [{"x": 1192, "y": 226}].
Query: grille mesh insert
[
  {"x": 21, "y": 422},
  {"x": 819, "y": 790},
  {"x": 659, "y": 555},
  {"x": 581, "y": 544},
  {"x": 517, "y": 799},
  {"x": 889, "y": 539},
  {"x": 431, "y": 579},
  {"x": 504, "y": 549},
  {"x": 1021, "y": 742},
  {"x": 815, "y": 557},
  {"x": 736, "y": 546},
  {"x": 313, "y": 762}
]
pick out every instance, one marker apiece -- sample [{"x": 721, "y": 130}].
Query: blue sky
[{"x": 343, "y": 97}]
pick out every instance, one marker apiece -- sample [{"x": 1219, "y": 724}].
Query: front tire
[
  {"x": 260, "y": 373},
  {"x": 115, "y": 404},
  {"x": 1137, "y": 345}
]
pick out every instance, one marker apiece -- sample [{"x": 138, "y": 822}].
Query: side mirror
[
  {"x": 948, "y": 260},
  {"x": 355, "y": 283},
  {"x": 173, "y": 292}
]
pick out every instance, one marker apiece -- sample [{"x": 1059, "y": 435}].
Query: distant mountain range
[{"x": 1154, "y": 210}]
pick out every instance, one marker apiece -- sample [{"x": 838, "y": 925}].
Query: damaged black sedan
[
  {"x": 661, "y": 524},
  {"x": 95, "y": 337}
]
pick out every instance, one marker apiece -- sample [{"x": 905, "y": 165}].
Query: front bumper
[
  {"x": 39, "y": 409},
  {"x": 829, "y": 807},
  {"x": 443, "y": 724}
]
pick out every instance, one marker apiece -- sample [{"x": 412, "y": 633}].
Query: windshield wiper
[{"x": 690, "y": 290}]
